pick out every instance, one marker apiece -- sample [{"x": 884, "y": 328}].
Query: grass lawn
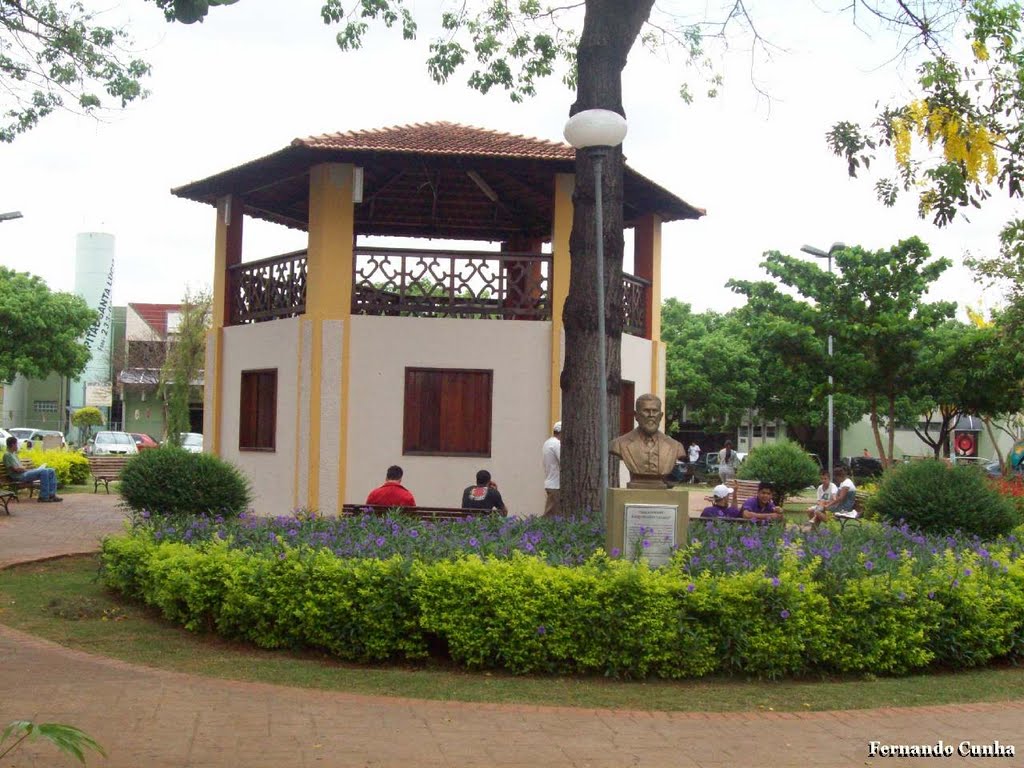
[{"x": 63, "y": 601}]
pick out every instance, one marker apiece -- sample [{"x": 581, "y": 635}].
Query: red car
[{"x": 144, "y": 441}]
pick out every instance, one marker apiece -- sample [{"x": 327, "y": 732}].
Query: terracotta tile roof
[
  {"x": 441, "y": 138},
  {"x": 155, "y": 315}
]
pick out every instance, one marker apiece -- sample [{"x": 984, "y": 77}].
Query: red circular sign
[{"x": 965, "y": 444}]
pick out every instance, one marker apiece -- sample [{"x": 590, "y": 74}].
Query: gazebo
[{"x": 327, "y": 365}]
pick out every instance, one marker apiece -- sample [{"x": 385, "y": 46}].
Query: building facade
[{"x": 327, "y": 365}]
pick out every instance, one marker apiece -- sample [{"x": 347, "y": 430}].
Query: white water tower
[{"x": 94, "y": 281}]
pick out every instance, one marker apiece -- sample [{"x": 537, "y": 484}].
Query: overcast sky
[{"x": 260, "y": 73}]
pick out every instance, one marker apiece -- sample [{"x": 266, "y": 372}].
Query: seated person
[
  {"x": 46, "y": 476},
  {"x": 483, "y": 495},
  {"x": 392, "y": 493},
  {"x": 720, "y": 506},
  {"x": 761, "y": 508},
  {"x": 826, "y": 492},
  {"x": 842, "y": 502}
]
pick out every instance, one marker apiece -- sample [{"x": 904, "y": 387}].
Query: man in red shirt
[{"x": 392, "y": 493}]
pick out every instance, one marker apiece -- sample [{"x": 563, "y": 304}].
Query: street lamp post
[
  {"x": 596, "y": 131},
  {"x": 820, "y": 254}
]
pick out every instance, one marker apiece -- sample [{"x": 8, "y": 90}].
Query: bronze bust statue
[{"x": 649, "y": 454}]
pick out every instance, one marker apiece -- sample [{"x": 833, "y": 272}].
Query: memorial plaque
[{"x": 650, "y": 532}]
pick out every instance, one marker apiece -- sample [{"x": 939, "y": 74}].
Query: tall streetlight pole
[
  {"x": 820, "y": 254},
  {"x": 596, "y": 131}
]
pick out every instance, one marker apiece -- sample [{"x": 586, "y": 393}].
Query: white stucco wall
[
  {"x": 253, "y": 347},
  {"x": 381, "y": 348},
  {"x": 636, "y": 363},
  {"x": 636, "y": 367},
  {"x": 519, "y": 355}
]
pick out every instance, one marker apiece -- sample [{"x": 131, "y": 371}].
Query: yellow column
[
  {"x": 647, "y": 263},
  {"x": 561, "y": 228},
  {"x": 329, "y": 263},
  {"x": 227, "y": 251}
]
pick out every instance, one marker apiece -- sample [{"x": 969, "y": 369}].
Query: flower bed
[{"x": 535, "y": 596}]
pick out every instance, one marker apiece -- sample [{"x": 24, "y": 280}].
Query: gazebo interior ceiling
[{"x": 439, "y": 180}]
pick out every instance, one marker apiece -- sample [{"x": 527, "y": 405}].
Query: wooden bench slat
[
  {"x": 14, "y": 485},
  {"x": 742, "y": 490},
  {"x": 420, "y": 512},
  {"x": 105, "y": 469}
]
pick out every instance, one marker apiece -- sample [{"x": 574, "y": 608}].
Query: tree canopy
[
  {"x": 40, "y": 331},
  {"x": 873, "y": 306},
  {"x": 961, "y": 134},
  {"x": 709, "y": 367}
]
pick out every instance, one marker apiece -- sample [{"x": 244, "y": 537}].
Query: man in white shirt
[
  {"x": 826, "y": 492},
  {"x": 551, "y": 456},
  {"x": 694, "y": 452}
]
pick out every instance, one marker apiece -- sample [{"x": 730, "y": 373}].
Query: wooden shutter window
[
  {"x": 447, "y": 412},
  {"x": 257, "y": 421}
]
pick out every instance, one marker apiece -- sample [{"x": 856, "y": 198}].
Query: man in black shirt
[{"x": 483, "y": 495}]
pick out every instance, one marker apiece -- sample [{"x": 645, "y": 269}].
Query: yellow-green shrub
[
  {"x": 981, "y": 618},
  {"x": 881, "y": 625},
  {"x": 606, "y": 616},
  {"x": 72, "y": 468}
]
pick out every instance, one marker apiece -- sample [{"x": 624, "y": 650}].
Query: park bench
[
  {"x": 105, "y": 469},
  {"x": 743, "y": 490},
  {"x": 420, "y": 513},
  {"x": 859, "y": 506},
  {"x": 11, "y": 485}
]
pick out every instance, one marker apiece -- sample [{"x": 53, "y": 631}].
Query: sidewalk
[{"x": 148, "y": 718}]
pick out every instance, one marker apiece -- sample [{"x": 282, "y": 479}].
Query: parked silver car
[
  {"x": 111, "y": 444},
  {"x": 192, "y": 442}
]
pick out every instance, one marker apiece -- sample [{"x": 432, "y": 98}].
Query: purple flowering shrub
[
  {"x": 540, "y": 595},
  {"x": 559, "y": 541}
]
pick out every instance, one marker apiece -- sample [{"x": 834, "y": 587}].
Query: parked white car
[
  {"x": 192, "y": 442},
  {"x": 35, "y": 436},
  {"x": 111, "y": 444}
]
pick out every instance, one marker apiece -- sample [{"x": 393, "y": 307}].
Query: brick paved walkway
[{"x": 149, "y": 718}]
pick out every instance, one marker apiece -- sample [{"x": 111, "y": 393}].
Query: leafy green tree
[
  {"x": 789, "y": 353},
  {"x": 42, "y": 330},
  {"x": 873, "y": 306},
  {"x": 183, "y": 367},
  {"x": 87, "y": 418},
  {"x": 708, "y": 367},
  {"x": 54, "y": 55}
]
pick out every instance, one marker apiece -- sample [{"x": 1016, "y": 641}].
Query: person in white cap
[
  {"x": 551, "y": 456},
  {"x": 720, "y": 507}
]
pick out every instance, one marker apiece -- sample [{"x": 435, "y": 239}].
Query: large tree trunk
[{"x": 610, "y": 28}]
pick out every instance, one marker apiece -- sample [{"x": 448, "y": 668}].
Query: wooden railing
[
  {"x": 479, "y": 284},
  {"x": 268, "y": 289},
  {"x": 419, "y": 283},
  {"x": 634, "y": 304}
]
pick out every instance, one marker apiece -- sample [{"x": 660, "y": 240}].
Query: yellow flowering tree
[{"x": 963, "y": 134}]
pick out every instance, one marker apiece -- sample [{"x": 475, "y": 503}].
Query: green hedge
[{"x": 606, "y": 617}]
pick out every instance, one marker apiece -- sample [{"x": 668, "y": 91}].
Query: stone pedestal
[{"x": 657, "y": 516}]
